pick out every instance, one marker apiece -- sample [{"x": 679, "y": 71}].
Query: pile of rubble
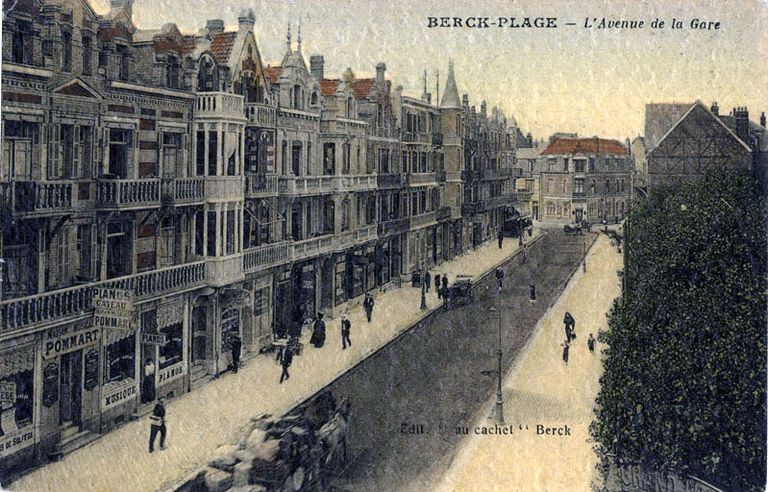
[{"x": 293, "y": 453}]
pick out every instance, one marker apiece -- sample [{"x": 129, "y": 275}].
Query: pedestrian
[
  {"x": 566, "y": 347},
  {"x": 285, "y": 362},
  {"x": 318, "y": 333},
  {"x": 533, "y": 292},
  {"x": 428, "y": 280},
  {"x": 157, "y": 420},
  {"x": 500, "y": 277},
  {"x": 520, "y": 240},
  {"x": 500, "y": 236},
  {"x": 149, "y": 381},
  {"x": 346, "y": 326},
  {"x": 591, "y": 343},
  {"x": 437, "y": 286},
  {"x": 530, "y": 231},
  {"x": 570, "y": 324},
  {"x": 236, "y": 346},
  {"x": 368, "y": 307},
  {"x": 445, "y": 282},
  {"x": 525, "y": 252},
  {"x": 605, "y": 225}
]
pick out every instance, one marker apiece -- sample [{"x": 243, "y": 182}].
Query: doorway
[
  {"x": 199, "y": 334},
  {"x": 71, "y": 384}
]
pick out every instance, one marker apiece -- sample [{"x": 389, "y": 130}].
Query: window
[
  {"x": 384, "y": 161},
  {"x": 213, "y": 144},
  {"x": 296, "y": 97},
  {"x": 296, "y": 158},
  {"x": 607, "y": 185},
  {"x": 172, "y": 66},
  {"x": 87, "y": 55},
  {"x": 171, "y": 158},
  {"x": 349, "y": 107},
  {"x": 206, "y": 78},
  {"x": 579, "y": 165},
  {"x": 284, "y": 156},
  {"x": 123, "y": 58},
  {"x": 103, "y": 58},
  {"x": 66, "y": 51},
  {"x": 21, "y": 43},
  {"x": 309, "y": 158},
  {"x": 591, "y": 164},
  {"x": 565, "y": 164},
  {"x": 329, "y": 158},
  {"x": 230, "y": 232},
  {"x": 173, "y": 351},
  {"x": 119, "y": 358},
  {"x": 120, "y": 152},
  {"x": 211, "y": 247},
  {"x": 18, "y": 144},
  {"x": 578, "y": 186},
  {"x": 199, "y": 231},
  {"x": 593, "y": 187},
  {"x": 200, "y": 153},
  {"x": 314, "y": 99},
  {"x": 345, "y": 158},
  {"x": 345, "y": 218}
]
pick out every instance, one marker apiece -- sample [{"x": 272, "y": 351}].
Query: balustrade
[{"x": 128, "y": 193}]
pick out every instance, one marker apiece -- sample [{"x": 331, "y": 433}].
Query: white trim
[
  {"x": 27, "y": 70},
  {"x": 151, "y": 90}
]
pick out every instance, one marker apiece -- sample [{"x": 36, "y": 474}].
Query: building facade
[
  {"x": 164, "y": 193},
  {"x": 584, "y": 179}
]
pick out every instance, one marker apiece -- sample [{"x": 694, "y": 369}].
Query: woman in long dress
[{"x": 318, "y": 334}]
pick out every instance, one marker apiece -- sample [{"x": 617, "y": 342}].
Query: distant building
[{"x": 584, "y": 179}]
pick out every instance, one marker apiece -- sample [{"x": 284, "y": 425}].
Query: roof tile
[{"x": 563, "y": 146}]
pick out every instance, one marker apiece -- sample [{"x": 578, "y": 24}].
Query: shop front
[
  {"x": 17, "y": 400},
  {"x": 162, "y": 342}
]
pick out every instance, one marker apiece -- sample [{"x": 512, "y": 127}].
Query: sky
[{"x": 568, "y": 79}]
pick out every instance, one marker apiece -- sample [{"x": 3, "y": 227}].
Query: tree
[{"x": 684, "y": 381}]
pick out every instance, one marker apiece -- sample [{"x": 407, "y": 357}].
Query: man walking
[
  {"x": 148, "y": 395},
  {"x": 236, "y": 346},
  {"x": 285, "y": 362},
  {"x": 437, "y": 286},
  {"x": 318, "y": 333},
  {"x": 533, "y": 292},
  {"x": 570, "y": 324},
  {"x": 428, "y": 280},
  {"x": 368, "y": 306},
  {"x": 500, "y": 277},
  {"x": 520, "y": 240},
  {"x": 500, "y": 236},
  {"x": 157, "y": 425},
  {"x": 591, "y": 343},
  {"x": 346, "y": 326}
]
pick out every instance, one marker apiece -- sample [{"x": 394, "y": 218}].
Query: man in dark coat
[
  {"x": 318, "y": 333},
  {"x": 236, "y": 345},
  {"x": 591, "y": 344},
  {"x": 570, "y": 324},
  {"x": 500, "y": 236},
  {"x": 445, "y": 281},
  {"x": 157, "y": 426},
  {"x": 368, "y": 307},
  {"x": 438, "y": 289},
  {"x": 428, "y": 280},
  {"x": 285, "y": 362},
  {"x": 346, "y": 327},
  {"x": 533, "y": 292},
  {"x": 500, "y": 277}
]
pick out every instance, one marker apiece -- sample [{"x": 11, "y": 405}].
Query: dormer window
[
  {"x": 21, "y": 43},
  {"x": 296, "y": 99},
  {"x": 66, "y": 51},
  {"x": 206, "y": 78},
  {"x": 314, "y": 99},
  {"x": 123, "y": 58}
]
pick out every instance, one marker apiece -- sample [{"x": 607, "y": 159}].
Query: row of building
[{"x": 163, "y": 193}]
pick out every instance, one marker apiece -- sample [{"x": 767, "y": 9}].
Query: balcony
[
  {"x": 472, "y": 208},
  {"x": 321, "y": 185},
  {"x": 361, "y": 182},
  {"x": 524, "y": 195},
  {"x": 127, "y": 194},
  {"x": 360, "y": 235},
  {"x": 265, "y": 256},
  {"x": 261, "y": 114},
  {"x": 579, "y": 195},
  {"x": 423, "y": 220},
  {"x": 224, "y": 188},
  {"x": 443, "y": 213},
  {"x": 77, "y": 302},
  {"x": 184, "y": 191},
  {"x": 394, "y": 226},
  {"x": 44, "y": 198},
  {"x": 421, "y": 179},
  {"x": 309, "y": 248},
  {"x": 261, "y": 185},
  {"x": 491, "y": 174},
  {"x": 393, "y": 180},
  {"x": 441, "y": 176},
  {"x": 224, "y": 270},
  {"x": 437, "y": 139},
  {"x": 218, "y": 105}
]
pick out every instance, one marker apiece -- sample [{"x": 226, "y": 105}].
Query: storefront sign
[
  {"x": 170, "y": 373},
  {"x": 113, "y": 308},
  {"x": 154, "y": 338},
  {"x": 11, "y": 443},
  {"x": 68, "y": 338},
  {"x": 91, "y": 370},
  {"x": 118, "y": 393},
  {"x": 7, "y": 392}
]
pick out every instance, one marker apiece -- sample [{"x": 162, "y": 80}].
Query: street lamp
[
  {"x": 499, "y": 400},
  {"x": 423, "y": 272}
]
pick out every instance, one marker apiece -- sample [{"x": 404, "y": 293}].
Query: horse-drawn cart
[{"x": 460, "y": 291}]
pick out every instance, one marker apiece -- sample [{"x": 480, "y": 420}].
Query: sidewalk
[
  {"x": 202, "y": 420},
  {"x": 541, "y": 390}
]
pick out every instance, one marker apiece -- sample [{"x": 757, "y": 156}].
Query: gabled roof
[
  {"x": 660, "y": 118},
  {"x": 566, "y": 146},
  {"x": 221, "y": 46},
  {"x": 362, "y": 87},
  {"x": 328, "y": 87},
  {"x": 273, "y": 73}
]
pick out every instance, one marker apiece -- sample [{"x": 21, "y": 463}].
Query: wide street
[{"x": 408, "y": 398}]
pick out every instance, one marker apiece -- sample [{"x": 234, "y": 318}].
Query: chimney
[
  {"x": 380, "y": 69},
  {"x": 465, "y": 101},
  {"x": 741, "y": 118},
  {"x": 126, "y": 5},
  {"x": 482, "y": 108},
  {"x": 246, "y": 20},
  {"x": 317, "y": 66},
  {"x": 715, "y": 109},
  {"x": 762, "y": 119},
  {"x": 214, "y": 26}
]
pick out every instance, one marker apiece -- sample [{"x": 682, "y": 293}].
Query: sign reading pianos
[{"x": 113, "y": 309}]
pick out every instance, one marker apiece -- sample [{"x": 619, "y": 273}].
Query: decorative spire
[
  {"x": 299, "y": 36},
  {"x": 425, "y": 82},
  {"x": 451, "y": 95},
  {"x": 288, "y": 37},
  {"x": 437, "y": 90}
]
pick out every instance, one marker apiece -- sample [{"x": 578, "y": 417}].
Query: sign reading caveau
[{"x": 113, "y": 308}]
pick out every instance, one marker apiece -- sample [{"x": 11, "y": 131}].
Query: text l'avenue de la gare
[{"x": 603, "y": 23}]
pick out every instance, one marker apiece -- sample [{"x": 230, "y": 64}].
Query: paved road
[{"x": 430, "y": 380}]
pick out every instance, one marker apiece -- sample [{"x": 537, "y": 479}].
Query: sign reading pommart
[{"x": 113, "y": 309}]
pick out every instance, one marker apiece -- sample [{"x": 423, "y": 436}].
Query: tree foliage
[{"x": 685, "y": 364}]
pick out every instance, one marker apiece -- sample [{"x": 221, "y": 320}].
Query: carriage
[{"x": 460, "y": 291}]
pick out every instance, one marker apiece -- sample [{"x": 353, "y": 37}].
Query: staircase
[
  {"x": 198, "y": 375},
  {"x": 72, "y": 438}
]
